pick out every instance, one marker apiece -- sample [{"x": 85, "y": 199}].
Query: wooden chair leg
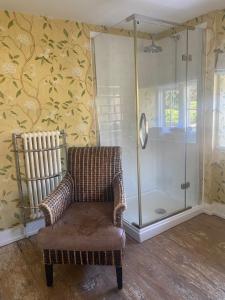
[
  {"x": 119, "y": 276},
  {"x": 49, "y": 274}
]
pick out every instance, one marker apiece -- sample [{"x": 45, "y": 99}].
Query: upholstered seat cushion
[{"x": 86, "y": 226}]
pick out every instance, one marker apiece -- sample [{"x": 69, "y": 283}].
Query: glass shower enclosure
[{"x": 148, "y": 100}]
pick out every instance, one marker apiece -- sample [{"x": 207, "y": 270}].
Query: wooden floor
[{"x": 186, "y": 262}]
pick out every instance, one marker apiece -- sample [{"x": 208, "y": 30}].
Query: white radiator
[{"x": 42, "y": 166}]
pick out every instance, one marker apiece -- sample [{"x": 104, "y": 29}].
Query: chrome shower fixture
[
  {"x": 175, "y": 37},
  {"x": 153, "y": 48}
]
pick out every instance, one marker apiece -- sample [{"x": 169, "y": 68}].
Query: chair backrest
[{"x": 93, "y": 169}]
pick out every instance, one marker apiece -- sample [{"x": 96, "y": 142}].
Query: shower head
[{"x": 153, "y": 48}]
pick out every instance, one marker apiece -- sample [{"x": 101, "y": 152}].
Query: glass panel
[
  {"x": 162, "y": 97},
  {"x": 169, "y": 96},
  {"x": 116, "y": 105},
  {"x": 194, "y": 99}
]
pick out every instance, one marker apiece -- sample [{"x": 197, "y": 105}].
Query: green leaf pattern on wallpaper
[{"x": 45, "y": 84}]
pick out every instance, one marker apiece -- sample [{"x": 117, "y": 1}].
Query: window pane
[
  {"x": 192, "y": 93},
  {"x": 170, "y": 105}
]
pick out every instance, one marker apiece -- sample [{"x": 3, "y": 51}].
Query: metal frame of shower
[
  {"x": 20, "y": 177},
  {"x": 137, "y": 18}
]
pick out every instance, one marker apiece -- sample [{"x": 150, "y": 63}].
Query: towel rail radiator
[{"x": 41, "y": 159}]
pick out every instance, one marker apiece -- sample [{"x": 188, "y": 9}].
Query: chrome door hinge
[
  {"x": 186, "y": 57},
  {"x": 185, "y": 185}
]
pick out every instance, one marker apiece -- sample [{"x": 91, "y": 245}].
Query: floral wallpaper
[
  {"x": 214, "y": 156},
  {"x": 45, "y": 84}
]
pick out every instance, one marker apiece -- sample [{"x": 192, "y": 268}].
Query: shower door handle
[{"x": 143, "y": 126}]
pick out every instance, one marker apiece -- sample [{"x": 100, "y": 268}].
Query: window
[
  {"x": 170, "y": 108},
  {"x": 174, "y": 112}
]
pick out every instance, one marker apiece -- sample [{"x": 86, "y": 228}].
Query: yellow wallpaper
[
  {"x": 45, "y": 84},
  {"x": 214, "y": 157}
]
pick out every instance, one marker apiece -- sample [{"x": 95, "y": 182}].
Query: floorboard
[{"x": 185, "y": 262}]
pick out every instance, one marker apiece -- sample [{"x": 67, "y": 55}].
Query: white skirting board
[
  {"x": 11, "y": 235},
  {"x": 19, "y": 232},
  {"x": 217, "y": 209}
]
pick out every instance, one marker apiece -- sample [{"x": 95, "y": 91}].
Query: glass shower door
[
  {"x": 116, "y": 107},
  {"x": 162, "y": 69}
]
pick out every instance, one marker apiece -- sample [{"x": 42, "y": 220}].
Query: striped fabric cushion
[{"x": 93, "y": 170}]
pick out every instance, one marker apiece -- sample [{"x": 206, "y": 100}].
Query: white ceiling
[{"x": 110, "y": 12}]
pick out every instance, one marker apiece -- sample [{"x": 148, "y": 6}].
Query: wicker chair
[{"x": 83, "y": 214}]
